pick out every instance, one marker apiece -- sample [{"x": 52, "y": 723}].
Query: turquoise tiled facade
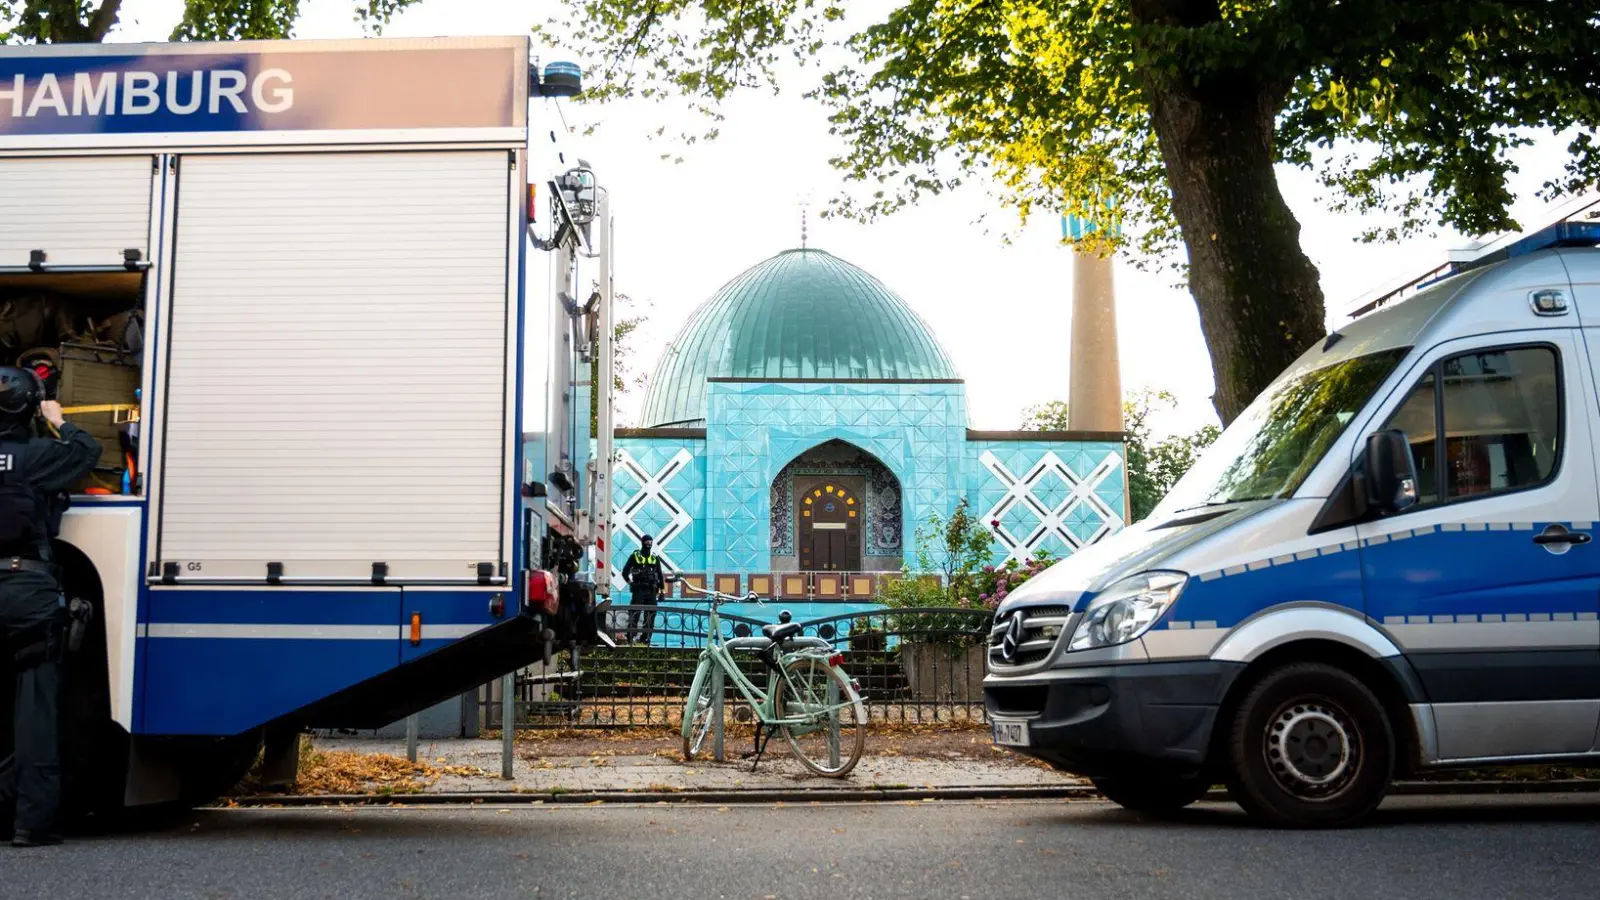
[
  {"x": 660, "y": 489},
  {"x": 803, "y": 350},
  {"x": 1046, "y": 495}
]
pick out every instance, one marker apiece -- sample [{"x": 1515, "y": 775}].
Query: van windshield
[{"x": 1273, "y": 445}]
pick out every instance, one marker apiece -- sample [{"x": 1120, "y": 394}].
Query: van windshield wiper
[
  {"x": 1229, "y": 502},
  {"x": 1208, "y": 504}
]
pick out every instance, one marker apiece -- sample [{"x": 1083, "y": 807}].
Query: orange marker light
[
  {"x": 533, "y": 203},
  {"x": 416, "y": 628}
]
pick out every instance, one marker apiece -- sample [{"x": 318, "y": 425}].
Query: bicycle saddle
[{"x": 781, "y": 633}]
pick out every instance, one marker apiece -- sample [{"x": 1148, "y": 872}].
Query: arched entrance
[{"x": 836, "y": 508}]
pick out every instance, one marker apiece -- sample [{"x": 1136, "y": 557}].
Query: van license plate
[{"x": 1009, "y": 733}]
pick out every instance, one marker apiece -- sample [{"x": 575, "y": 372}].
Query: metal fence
[{"x": 912, "y": 666}]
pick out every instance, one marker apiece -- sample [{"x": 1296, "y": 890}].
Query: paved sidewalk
[
  {"x": 661, "y": 768},
  {"x": 952, "y": 764}
]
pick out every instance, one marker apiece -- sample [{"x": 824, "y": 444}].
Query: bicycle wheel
[
  {"x": 831, "y": 740},
  {"x": 697, "y": 712}
]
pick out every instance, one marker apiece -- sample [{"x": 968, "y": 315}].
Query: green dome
[{"x": 801, "y": 314}]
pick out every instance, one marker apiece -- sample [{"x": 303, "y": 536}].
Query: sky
[{"x": 1002, "y": 311}]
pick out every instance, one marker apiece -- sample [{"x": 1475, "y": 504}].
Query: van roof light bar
[
  {"x": 1569, "y": 231},
  {"x": 1561, "y": 234}
]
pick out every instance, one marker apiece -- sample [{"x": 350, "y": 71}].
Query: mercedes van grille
[{"x": 1034, "y": 646}]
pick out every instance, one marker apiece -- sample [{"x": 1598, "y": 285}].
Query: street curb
[
  {"x": 847, "y": 795},
  {"x": 780, "y": 795}
]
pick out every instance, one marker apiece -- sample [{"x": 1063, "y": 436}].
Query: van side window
[
  {"x": 1501, "y": 413},
  {"x": 1416, "y": 417},
  {"x": 1502, "y": 416}
]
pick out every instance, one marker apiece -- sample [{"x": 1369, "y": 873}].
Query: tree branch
[{"x": 103, "y": 20}]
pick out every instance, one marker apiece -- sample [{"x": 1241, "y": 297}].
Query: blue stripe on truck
[
  {"x": 228, "y": 686},
  {"x": 226, "y": 661}
]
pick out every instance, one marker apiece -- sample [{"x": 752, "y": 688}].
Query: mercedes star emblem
[{"x": 1012, "y": 639}]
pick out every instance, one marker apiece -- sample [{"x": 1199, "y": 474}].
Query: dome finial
[{"x": 803, "y": 205}]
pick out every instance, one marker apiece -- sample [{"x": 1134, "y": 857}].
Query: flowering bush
[{"x": 994, "y": 583}]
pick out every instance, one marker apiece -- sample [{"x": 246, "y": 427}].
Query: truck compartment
[
  {"x": 83, "y": 334},
  {"x": 335, "y": 370}
]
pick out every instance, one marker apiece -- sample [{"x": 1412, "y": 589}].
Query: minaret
[{"x": 1094, "y": 399}]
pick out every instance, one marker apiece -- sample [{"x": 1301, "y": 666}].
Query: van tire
[
  {"x": 93, "y": 747},
  {"x": 1310, "y": 746},
  {"x": 1156, "y": 793}
]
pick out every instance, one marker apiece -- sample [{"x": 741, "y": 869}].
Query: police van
[
  {"x": 283, "y": 283},
  {"x": 1384, "y": 566}
]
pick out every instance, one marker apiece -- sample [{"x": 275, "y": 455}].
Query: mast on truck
[
  {"x": 578, "y": 500},
  {"x": 577, "y": 494}
]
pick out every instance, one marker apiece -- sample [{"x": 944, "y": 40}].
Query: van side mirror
[{"x": 1391, "y": 473}]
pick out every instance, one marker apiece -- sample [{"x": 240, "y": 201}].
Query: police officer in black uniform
[
  {"x": 642, "y": 572},
  {"x": 34, "y": 476}
]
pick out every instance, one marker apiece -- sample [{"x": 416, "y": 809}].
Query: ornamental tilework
[
  {"x": 713, "y": 504},
  {"x": 754, "y": 430},
  {"x": 882, "y": 510},
  {"x": 1047, "y": 496},
  {"x": 658, "y": 488}
]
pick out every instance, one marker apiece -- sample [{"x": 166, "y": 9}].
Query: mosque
[{"x": 805, "y": 420}]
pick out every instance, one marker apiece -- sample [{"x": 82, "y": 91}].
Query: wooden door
[{"x": 830, "y": 528}]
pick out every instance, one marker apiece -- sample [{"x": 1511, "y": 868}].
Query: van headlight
[{"x": 1127, "y": 609}]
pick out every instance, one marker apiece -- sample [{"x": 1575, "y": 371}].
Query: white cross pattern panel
[
  {"x": 1049, "y": 519},
  {"x": 85, "y": 211},
  {"x": 653, "y": 488},
  {"x": 337, "y": 376}
]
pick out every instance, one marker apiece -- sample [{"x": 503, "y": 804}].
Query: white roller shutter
[
  {"x": 82, "y": 211},
  {"x": 336, "y": 384}
]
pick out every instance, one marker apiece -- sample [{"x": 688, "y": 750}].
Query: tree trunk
[
  {"x": 63, "y": 25},
  {"x": 1259, "y": 296}
]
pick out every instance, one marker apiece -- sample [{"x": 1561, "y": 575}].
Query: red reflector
[
  {"x": 836, "y": 660},
  {"x": 542, "y": 591}
]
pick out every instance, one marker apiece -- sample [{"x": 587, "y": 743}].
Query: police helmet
[
  {"x": 21, "y": 391},
  {"x": 646, "y": 540}
]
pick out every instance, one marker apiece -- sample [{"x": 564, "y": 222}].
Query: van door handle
[{"x": 1559, "y": 536}]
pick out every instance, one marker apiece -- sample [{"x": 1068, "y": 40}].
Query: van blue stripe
[{"x": 1454, "y": 569}]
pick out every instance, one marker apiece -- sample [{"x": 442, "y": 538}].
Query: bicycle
[{"x": 808, "y": 698}]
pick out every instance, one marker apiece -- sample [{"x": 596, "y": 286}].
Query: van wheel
[
  {"x": 1155, "y": 793},
  {"x": 1310, "y": 747}
]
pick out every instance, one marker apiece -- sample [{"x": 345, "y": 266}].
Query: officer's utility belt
[{"x": 19, "y": 564}]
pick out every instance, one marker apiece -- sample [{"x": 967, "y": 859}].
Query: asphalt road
[{"x": 1468, "y": 849}]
